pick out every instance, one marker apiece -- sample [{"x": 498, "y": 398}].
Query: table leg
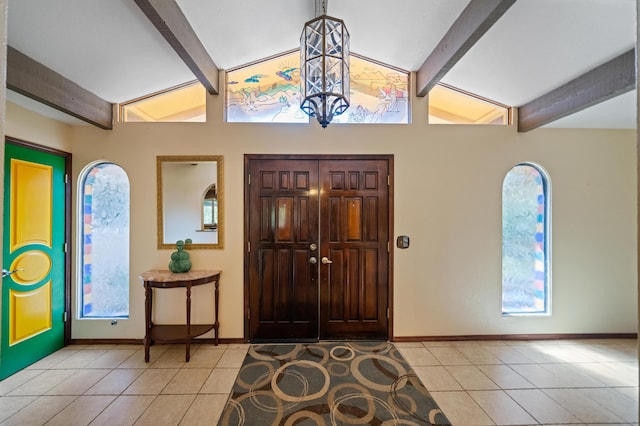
[
  {"x": 148, "y": 296},
  {"x": 188, "y": 336},
  {"x": 216, "y": 324}
]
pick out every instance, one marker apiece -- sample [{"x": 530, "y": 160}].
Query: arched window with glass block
[
  {"x": 525, "y": 241},
  {"x": 103, "y": 275}
]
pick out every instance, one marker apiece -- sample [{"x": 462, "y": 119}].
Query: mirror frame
[{"x": 220, "y": 192}]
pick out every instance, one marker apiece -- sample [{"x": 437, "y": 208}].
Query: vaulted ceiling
[{"x": 515, "y": 52}]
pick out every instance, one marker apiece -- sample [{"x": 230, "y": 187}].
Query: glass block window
[
  {"x": 104, "y": 242},
  {"x": 180, "y": 104},
  {"x": 449, "y": 105},
  {"x": 525, "y": 236},
  {"x": 269, "y": 92}
]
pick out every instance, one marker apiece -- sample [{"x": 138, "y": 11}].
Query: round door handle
[
  {"x": 325, "y": 260},
  {"x": 313, "y": 260}
]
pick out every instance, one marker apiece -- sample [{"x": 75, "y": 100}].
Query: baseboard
[
  {"x": 555, "y": 336},
  {"x": 139, "y": 341},
  {"x": 480, "y": 337}
]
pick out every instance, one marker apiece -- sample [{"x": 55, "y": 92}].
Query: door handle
[
  {"x": 313, "y": 260},
  {"x": 325, "y": 260},
  {"x": 6, "y": 273}
]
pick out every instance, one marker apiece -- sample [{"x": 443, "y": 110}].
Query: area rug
[{"x": 346, "y": 383}]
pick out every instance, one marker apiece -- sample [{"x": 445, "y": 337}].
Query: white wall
[
  {"x": 447, "y": 199},
  {"x": 25, "y": 125}
]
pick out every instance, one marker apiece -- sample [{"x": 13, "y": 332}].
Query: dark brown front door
[{"x": 317, "y": 259}]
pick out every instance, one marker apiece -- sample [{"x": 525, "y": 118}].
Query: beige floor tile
[
  {"x": 501, "y": 408},
  {"x": 509, "y": 355},
  {"x": 616, "y": 374},
  {"x": 39, "y": 411},
  {"x": 574, "y": 376},
  {"x": 124, "y": 411},
  {"x": 221, "y": 380},
  {"x": 81, "y": 411},
  {"x": 471, "y": 377},
  {"x": 622, "y": 402},
  {"x": 171, "y": 358},
  {"x": 580, "y": 405},
  {"x": 92, "y": 347},
  {"x": 42, "y": 383},
  {"x": 112, "y": 358},
  {"x": 544, "y": 409},
  {"x": 408, "y": 345},
  {"x": 115, "y": 382},
  {"x": 572, "y": 353},
  {"x": 461, "y": 409},
  {"x": 10, "y": 405},
  {"x": 539, "y": 376},
  {"x": 477, "y": 354},
  {"x": 505, "y": 377},
  {"x": 205, "y": 410},
  {"x": 437, "y": 378},
  {"x": 166, "y": 410},
  {"x": 136, "y": 360},
  {"x": 449, "y": 356},
  {"x": 155, "y": 351},
  {"x": 617, "y": 351},
  {"x": 187, "y": 381},
  {"x": 205, "y": 357},
  {"x": 243, "y": 346},
  {"x": 18, "y": 379},
  {"x": 80, "y": 359},
  {"x": 151, "y": 381},
  {"x": 54, "y": 359},
  {"x": 418, "y": 356},
  {"x": 78, "y": 382},
  {"x": 438, "y": 344},
  {"x": 232, "y": 358}
]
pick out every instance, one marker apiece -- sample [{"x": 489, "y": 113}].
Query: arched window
[
  {"x": 103, "y": 276},
  {"x": 525, "y": 241}
]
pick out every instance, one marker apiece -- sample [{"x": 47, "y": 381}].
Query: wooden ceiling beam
[
  {"x": 167, "y": 17},
  {"x": 604, "y": 82},
  {"x": 473, "y": 22},
  {"x": 34, "y": 80}
]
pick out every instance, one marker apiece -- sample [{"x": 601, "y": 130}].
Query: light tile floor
[{"x": 583, "y": 382}]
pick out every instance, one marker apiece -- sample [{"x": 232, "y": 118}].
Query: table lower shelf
[{"x": 171, "y": 333}]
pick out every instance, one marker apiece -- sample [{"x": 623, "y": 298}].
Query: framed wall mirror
[{"x": 190, "y": 200}]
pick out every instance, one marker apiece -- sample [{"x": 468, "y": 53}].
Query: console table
[{"x": 165, "y": 333}]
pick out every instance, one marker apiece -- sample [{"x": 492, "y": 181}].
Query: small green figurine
[{"x": 180, "y": 259}]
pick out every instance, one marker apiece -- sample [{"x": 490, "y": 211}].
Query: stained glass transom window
[
  {"x": 269, "y": 92},
  {"x": 104, "y": 264},
  {"x": 525, "y": 224}
]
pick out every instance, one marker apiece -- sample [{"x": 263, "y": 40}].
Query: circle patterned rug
[{"x": 345, "y": 383}]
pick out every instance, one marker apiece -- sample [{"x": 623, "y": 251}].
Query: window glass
[
  {"x": 185, "y": 103},
  {"x": 448, "y": 105},
  {"x": 104, "y": 283},
  {"x": 525, "y": 258},
  {"x": 379, "y": 94},
  {"x": 266, "y": 92},
  {"x": 269, "y": 92}
]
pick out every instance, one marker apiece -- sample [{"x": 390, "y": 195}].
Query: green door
[{"x": 33, "y": 256}]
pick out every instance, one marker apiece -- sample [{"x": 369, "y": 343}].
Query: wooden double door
[{"x": 317, "y": 247}]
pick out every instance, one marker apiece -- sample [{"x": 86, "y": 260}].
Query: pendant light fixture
[{"x": 324, "y": 66}]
